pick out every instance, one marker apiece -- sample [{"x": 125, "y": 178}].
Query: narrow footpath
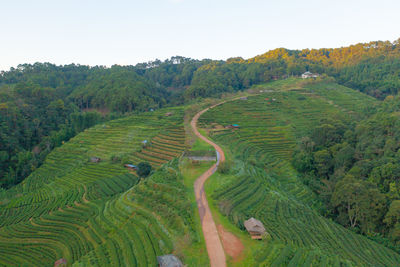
[{"x": 213, "y": 243}]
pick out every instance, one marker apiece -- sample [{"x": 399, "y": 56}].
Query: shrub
[
  {"x": 116, "y": 158},
  {"x": 144, "y": 169},
  {"x": 224, "y": 167}
]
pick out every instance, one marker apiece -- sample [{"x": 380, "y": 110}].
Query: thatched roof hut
[
  {"x": 169, "y": 261},
  {"x": 255, "y": 228}
]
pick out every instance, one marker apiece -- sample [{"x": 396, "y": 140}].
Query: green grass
[
  {"x": 190, "y": 173},
  {"x": 263, "y": 184},
  {"x": 200, "y": 145}
]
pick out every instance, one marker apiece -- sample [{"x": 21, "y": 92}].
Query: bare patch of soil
[{"x": 232, "y": 245}]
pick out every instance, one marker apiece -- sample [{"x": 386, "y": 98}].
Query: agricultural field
[
  {"x": 263, "y": 184},
  {"x": 102, "y": 214}
]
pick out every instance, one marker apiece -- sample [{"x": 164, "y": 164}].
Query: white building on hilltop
[{"x": 308, "y": 74}]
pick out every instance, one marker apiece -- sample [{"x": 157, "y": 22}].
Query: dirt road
[{"x": 213, "y": 243}]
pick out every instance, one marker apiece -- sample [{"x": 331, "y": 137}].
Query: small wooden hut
[
  {"x": 131, "y": 167},
  {"x": 169, "y": 261},
  {"x": 232, "y": 126},
  {"x": 145, "y": 143},
  {"x": 168, "y": 114},
  {"x": 255, "y": 228},
  {"x": 95, "y": 159}
]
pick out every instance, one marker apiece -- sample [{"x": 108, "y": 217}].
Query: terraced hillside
[
  {"x": 263, "y": 184},
  {"x": 101, "y": 214}
]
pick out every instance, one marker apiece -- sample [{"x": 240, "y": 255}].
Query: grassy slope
[
  {"x": 190, "y": 173},
  {"x": 101, "y": 214},
  {"x": 264, "y": 185}
]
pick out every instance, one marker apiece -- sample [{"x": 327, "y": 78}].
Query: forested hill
[
  {"x": 42, "y": 105},
  {"x": 373, "y": 68},
  {"x": 370, "y": 67}
]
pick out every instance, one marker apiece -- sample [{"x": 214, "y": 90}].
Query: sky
[{"x": 126, "y": 32}]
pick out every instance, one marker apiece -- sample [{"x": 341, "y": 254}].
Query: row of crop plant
[
  {"x": 265, "y": 185},
  {"x": 100, "y": 213},
  {"x": 291, "y": 222},
  {"x": 67, "y": 168},
  {"x": 129, "y": 229}
]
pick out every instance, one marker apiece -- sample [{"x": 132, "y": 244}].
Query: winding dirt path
[{"x": 213, "y": 243}]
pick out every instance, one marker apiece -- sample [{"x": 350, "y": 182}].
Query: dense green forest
[
  {"x": 42, "y": 104},
  {"x": 34, "y": 120},
  {"x": 355, "y": 170}
]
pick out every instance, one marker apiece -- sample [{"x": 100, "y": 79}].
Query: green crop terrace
[
  {"x": 263, "y": 184},
  {"x": 102, "y": 214}
]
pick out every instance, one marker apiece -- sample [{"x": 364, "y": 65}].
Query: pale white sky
[{"x": 98, "y": 32}]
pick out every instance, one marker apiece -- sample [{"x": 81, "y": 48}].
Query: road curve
[{"x": 213, "y": 243}]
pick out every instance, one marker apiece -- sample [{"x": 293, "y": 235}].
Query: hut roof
[
  {"x": 130, "y": 166},
  {"x": 253, "y": 225},
  {"x": 169, "y": 261}
]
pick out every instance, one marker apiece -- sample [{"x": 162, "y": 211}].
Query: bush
[
  {"x": 115, "y": 158},
  {"x": 120, "y": 158},
  {"x": 224, "y": 167},
  {"x": 144, "y": 169}
]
